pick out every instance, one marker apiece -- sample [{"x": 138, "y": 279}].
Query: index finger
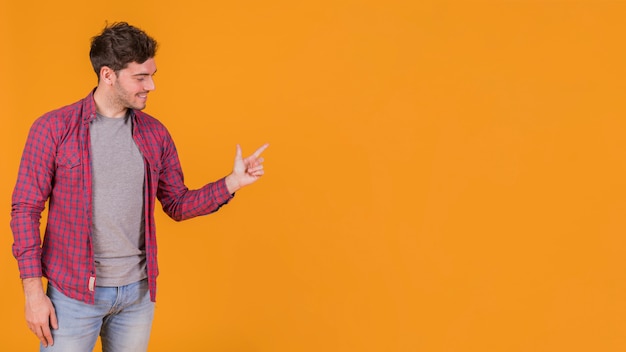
[
  {"x": 47, "y": 336},
  {"x": 260, "y": 150}
]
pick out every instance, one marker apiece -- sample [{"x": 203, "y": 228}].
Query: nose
[{"x": 149, "y": 85}]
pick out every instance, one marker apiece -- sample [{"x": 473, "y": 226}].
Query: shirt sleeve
[
  {"x": 33, "y": 187},
  {"x": 179, "y": 202}
]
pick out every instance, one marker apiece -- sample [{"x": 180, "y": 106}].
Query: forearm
[
  {"x": 26, "y": 240},
  {"x": 33, "y": 287},
  {"x": 192, "y": 203}
]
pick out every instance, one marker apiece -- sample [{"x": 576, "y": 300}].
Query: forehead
[{"x": 147, "y": 67}]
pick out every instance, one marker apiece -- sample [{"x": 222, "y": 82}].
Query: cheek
[{"x": 126, "y": 88}]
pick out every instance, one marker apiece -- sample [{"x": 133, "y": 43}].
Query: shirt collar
[{"x": 89, "y": 108}]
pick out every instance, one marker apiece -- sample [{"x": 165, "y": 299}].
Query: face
[{"x": 133, "y": 83}]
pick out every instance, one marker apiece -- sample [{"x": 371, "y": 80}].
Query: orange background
[{"x": 443, "y": 175}]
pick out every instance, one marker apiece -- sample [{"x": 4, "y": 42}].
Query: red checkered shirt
[{"x": 56, "y": 166}]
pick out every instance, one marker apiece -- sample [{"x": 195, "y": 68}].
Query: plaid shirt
[{"x": 56, "y": 165}]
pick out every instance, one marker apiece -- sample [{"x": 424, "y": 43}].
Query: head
[
  {"x": 123, "y": 58},
  {"x": 118, "y": 45}
]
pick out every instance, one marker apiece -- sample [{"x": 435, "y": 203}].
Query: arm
[
  {"x": 181, "y": 203},
  {"x": 29, "y": 196},
  {"x": 32, "y": 189}
]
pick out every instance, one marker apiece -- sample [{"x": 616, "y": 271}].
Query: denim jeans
[{"x": 122, "y": 316}]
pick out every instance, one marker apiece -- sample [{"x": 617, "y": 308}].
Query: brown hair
[{"x": 120, "y": 44}]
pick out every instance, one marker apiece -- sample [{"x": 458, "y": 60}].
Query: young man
[{"x": 101, "y": 162}]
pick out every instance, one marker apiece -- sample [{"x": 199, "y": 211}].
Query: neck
[{"x": 105, "y": 105}]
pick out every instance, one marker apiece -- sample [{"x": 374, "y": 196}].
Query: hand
[
  {"x": 40, "y": 313},
  {"x": 245, "y": 171}
]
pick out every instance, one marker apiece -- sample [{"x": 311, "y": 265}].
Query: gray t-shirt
[{"x": 118, "y": 196}]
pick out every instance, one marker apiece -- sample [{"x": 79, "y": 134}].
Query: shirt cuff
[
  {"x": 221, "y": 192},
  {"x": 29, "y": 268}
]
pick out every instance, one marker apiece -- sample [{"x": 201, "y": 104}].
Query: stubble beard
[{"x": 124, "y": 99}]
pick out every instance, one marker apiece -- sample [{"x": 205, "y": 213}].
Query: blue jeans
[{"x": 122, "y": 316}]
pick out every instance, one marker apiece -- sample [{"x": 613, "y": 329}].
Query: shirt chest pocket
[
  {"x": 68, "y": 174},
  {"x": 68, "y": 160}
]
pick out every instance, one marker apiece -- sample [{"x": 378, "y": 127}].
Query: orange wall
[{"x": 443, "y": 176}]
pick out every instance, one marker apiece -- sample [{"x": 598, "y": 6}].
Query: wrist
[
  {"x": 33, "y": 287},
  {"x": 232, "y": 184}
]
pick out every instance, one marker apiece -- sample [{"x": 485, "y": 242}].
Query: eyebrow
[{"x": 145, "y": 74}]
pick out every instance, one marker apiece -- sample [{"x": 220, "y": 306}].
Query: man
[{"x": 101, "y": 162}]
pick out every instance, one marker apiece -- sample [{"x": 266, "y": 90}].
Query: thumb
[{"x": 238, "y": 153}]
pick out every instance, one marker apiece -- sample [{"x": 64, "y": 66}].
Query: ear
[{"x": 107, "y": 75}]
